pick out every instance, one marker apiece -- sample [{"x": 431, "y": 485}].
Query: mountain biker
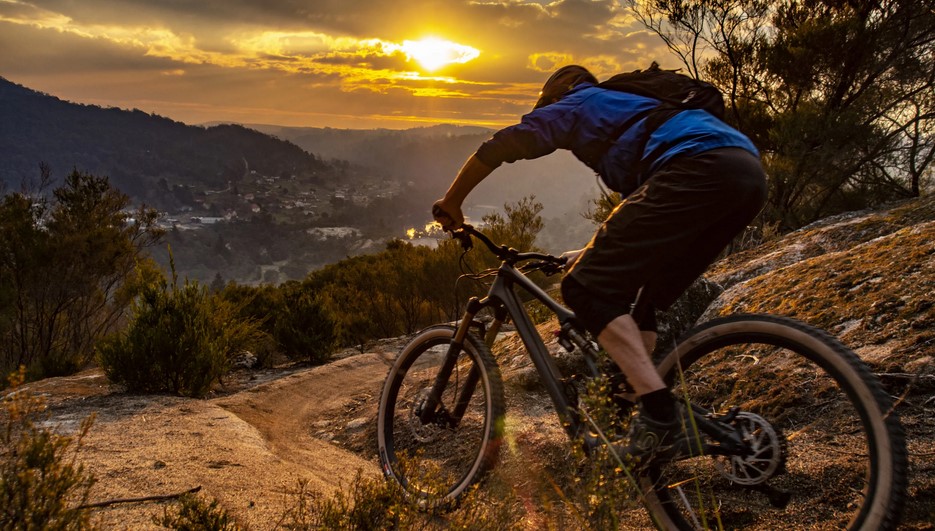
[{"x": 703, "y": 186}]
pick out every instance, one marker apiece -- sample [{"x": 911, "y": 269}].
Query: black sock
[{"x": 659, "y": 405}]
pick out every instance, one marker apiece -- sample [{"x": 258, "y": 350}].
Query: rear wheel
[
  {"x": 824, "y": 450},
  {"x": 436, "y": 447}
]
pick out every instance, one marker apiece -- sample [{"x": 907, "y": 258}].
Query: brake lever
[
  {"x": 458, "y": 234},
  {"x": 466, "y": 242}
]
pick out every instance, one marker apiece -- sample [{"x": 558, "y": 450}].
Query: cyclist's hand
[
  {"x": 449, "y": 216},
  {"x": 571, "y": 257}
]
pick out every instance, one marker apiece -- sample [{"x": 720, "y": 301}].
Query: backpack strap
[
  {"x": 655, "y": 117},
  {"x": 659, "y": 115}
]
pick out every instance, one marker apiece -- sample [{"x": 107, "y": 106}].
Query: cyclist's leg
[
  {"x": 659, "y": 240},
  {"x": 628, "y": 339}
]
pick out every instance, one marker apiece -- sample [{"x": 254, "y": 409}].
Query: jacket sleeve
[{"x": 539, "y": 133}]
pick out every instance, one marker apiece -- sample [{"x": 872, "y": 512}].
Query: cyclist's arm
[{"x": 472, "y": 173}]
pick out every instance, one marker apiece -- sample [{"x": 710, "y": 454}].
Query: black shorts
[{"x": 666, "y": 233}]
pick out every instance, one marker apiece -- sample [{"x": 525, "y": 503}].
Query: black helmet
[{"x": 563, "y": 80}]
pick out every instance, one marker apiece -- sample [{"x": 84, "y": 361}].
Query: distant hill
[
  {"x": 426, "y": 155},
  {"x": 356, "y": 144},
  {"x": 144, "y": 155},
  {"x": 164, "y": 163},
  {"x": 429, "y": 157}
]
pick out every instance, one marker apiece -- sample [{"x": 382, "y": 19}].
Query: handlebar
[{"x": 546, "y": 262}]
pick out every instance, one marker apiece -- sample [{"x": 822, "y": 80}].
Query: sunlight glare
[{"x": 433, "y": 53}]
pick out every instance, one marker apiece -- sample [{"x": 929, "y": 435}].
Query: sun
[{"x": 433, "y": 53}]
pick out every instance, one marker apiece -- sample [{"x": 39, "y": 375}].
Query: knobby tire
[
  {"x": 434, "y": 462},
  {"x": 833, "y": 454}
]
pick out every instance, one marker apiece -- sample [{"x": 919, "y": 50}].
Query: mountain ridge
[{"x": 144, "y": 155}]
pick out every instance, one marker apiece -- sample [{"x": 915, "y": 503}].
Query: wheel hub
[{"x": 424, "y": 432}]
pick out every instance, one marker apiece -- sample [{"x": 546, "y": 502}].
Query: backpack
[{"x": 676, "y": 92}]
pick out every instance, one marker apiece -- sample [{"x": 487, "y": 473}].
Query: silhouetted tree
[
  {"x": 69, "y": 266},
  {"x": 839, "y": 96}
]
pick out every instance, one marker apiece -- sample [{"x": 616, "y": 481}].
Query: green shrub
[
  {"x": 180, "y": 339},
  {"x": 194, "y": 514},
  {"x": 291, "y": 315},
  {"x": 303, "y": 328},
  {"x": 40, "y": 485}
]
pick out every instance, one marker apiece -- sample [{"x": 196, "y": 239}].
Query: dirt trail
[
  {"x": 249, "y": 449},
  {"x": 290, "y": 411}
]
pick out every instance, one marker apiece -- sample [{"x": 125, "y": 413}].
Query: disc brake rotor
[{"x": 767, "y": 452}]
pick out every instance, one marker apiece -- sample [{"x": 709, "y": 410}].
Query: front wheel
[
  {"x": 822, "y": 447},
  {"x": 440, "y": 420}
]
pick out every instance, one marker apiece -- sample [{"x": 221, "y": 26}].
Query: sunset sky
[{"x": 317, "y": 63}]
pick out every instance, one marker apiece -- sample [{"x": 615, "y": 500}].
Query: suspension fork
[{"x": 428, "y": 411}]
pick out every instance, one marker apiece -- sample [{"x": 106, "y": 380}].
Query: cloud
[
  {"x": 548, "y": 61},
  {"x": 353, "y": 53}
]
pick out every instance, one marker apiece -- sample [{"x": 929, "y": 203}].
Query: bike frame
[
  {"x": 749, "y": 437},
  {"x": 502, "y": 297}
]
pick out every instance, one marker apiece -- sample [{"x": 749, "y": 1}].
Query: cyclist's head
[{"x": 563, "y": 80}]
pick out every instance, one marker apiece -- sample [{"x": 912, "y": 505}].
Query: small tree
[
  {"x": 292, "y": 315},
  {"x": 303, "y": 327},
  {"x": 603, "y": 206},
  {"x": 180, "y": 339},
  {"x": 520, "y": 227},
  {"x": 67, "y": 269},
  {"x": 355, "y": 291}
]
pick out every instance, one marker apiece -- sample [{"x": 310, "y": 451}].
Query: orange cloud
[{"x": 368, "y": 56}]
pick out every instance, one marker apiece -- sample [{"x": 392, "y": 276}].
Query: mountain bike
[{"x": 794, "y": 426}]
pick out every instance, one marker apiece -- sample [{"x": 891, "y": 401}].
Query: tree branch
[{"x": 165, "y": 497}]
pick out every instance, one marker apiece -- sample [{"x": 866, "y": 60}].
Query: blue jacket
[{"x": 586, "y": 121}]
